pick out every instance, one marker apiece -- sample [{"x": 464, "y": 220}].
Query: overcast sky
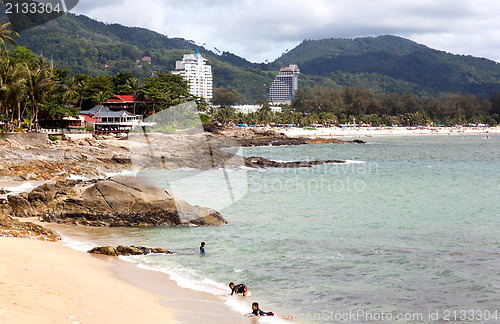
[{"x": 260, "y": 30}]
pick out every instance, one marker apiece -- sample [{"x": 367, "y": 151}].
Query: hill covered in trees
[
  {"x": 381, "y": 65},
  {"x": 86, "y": 46},
  {"x": 388, "y": 64}
]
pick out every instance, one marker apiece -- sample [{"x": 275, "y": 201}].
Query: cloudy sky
[{"x": 260, "y": 30}]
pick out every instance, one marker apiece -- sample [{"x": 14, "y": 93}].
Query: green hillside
[
  {"x": 394, "y": 64},
  {"x": 384, "y": 64},
  {"x": 84, "y": 45}
]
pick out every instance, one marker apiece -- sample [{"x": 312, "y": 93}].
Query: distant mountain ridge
[
  {"x": 381, "y": 64},
  {"x": 427, "y": 71}
]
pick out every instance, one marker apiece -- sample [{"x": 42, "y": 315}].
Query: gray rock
[{"x": 120, "y": 201}]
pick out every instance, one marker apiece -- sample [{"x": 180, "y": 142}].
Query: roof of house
[
  {"x": 126, "y": 99},
  {"x": 105, "y": 112},
  {"x": 122, "y": 98},
  {"x": 89, "y": 119}
]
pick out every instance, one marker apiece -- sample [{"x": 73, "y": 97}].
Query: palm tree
[
  {"x": 70, "y": 90},
  {"x": 100, "y": 97},
  {"x": 134, "y": 86},
  {"x": 6, "y": 34},
  {"x": 81, "y": 86},
  {"x": 38, "y": 83},
  {"x": 12, "y": 83}
]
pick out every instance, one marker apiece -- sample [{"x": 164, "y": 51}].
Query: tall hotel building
[
  {"x": 194, "y": 69},
  {"x": 283, "y": 88}
]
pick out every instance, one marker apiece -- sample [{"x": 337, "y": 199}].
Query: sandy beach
[
  {"x": 385, "y": 131},
  {"x": 50, "y": 283},
  {"x": 43, "y": 282}
]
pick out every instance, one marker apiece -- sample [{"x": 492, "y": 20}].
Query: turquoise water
[{"x": 410, "y": 227}]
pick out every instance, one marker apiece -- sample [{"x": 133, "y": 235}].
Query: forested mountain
[
  {"x": 384, "y": 64},
  {"x": 84, "y": 45},
  {"x": 394, "y": 64}
]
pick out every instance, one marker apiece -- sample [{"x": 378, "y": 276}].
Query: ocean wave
[
  {"x": 25, "y": 187},
  {"x": 190, "y": 279},
  {"x": 183, "y": 277},
  {"x": 76, "y": 245}
]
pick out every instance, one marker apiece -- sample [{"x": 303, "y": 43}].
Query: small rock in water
[{"x": 127, "y": 250}]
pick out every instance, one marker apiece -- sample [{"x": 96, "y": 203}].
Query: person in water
[
  {"x": 239, "y": 289},
  {"x": 202, "y": 248},
  {"x": 256, "y": 311}
]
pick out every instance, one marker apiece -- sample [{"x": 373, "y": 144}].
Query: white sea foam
[
  {"x": 25, "y": 187},
  {"x": 183, "y": 277},
  {"x": 76, "y": 177},
  {"x": 189, "y": 279},
  {"x": 122, "y": 173},
  {"x": 354, "y": 162},
  {"x": 76, "y": 245}
]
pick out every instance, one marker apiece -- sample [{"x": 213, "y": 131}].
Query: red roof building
[
  {"x": 89, "y": 119},
  {"x": 124, "y": 102}
]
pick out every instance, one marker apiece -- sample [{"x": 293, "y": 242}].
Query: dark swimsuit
[
  {"x": 239, "y": 289},
  {"x": 258, "y": 312}
]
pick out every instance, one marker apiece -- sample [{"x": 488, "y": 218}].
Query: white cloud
[{"x": 263, "y": 29}]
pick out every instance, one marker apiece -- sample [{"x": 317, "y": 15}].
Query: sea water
[{"x": 407, "y": 231}]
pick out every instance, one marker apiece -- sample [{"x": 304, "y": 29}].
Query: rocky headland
[
  {"x": 247, "y": 137},
  {"x": 124, "y": 201},
  {"x": 95, "y": 158},
  {"x": 113, "y": 202}
]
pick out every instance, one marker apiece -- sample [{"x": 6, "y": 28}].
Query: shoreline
[
  {"x": 39, "y": 286},
  {"x": 184, "y": 305},
  {"x": 328, "y": 132},
  {"x": 188, "y": 303}
]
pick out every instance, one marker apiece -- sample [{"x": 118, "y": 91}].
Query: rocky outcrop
[
  {"x": 277, "y": 140},
  {"x": 10, "y": 227},
  {"x": 199, "y": 148},
  {"x": 57, "y": 160},
  {"x": 260, "y": 162},
  {"x": 127, "y": 250},
  {"x": 20, "y": 205},
  {"x": 120, "y": 201},
  {"x": 247, "y": 137}
]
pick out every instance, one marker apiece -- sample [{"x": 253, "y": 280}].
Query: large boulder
[
  {"x": 120, "y": 201},
  {"x": 20, "y": 206}
]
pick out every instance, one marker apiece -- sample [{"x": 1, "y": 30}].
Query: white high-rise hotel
[
  {"x": 194, "y": 69},
  {"x": 283, "y": 88}
]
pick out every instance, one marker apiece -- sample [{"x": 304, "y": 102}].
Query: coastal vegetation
[
  {"x": 327, "y": 107},
  {"x": 33, "y": 90}
]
